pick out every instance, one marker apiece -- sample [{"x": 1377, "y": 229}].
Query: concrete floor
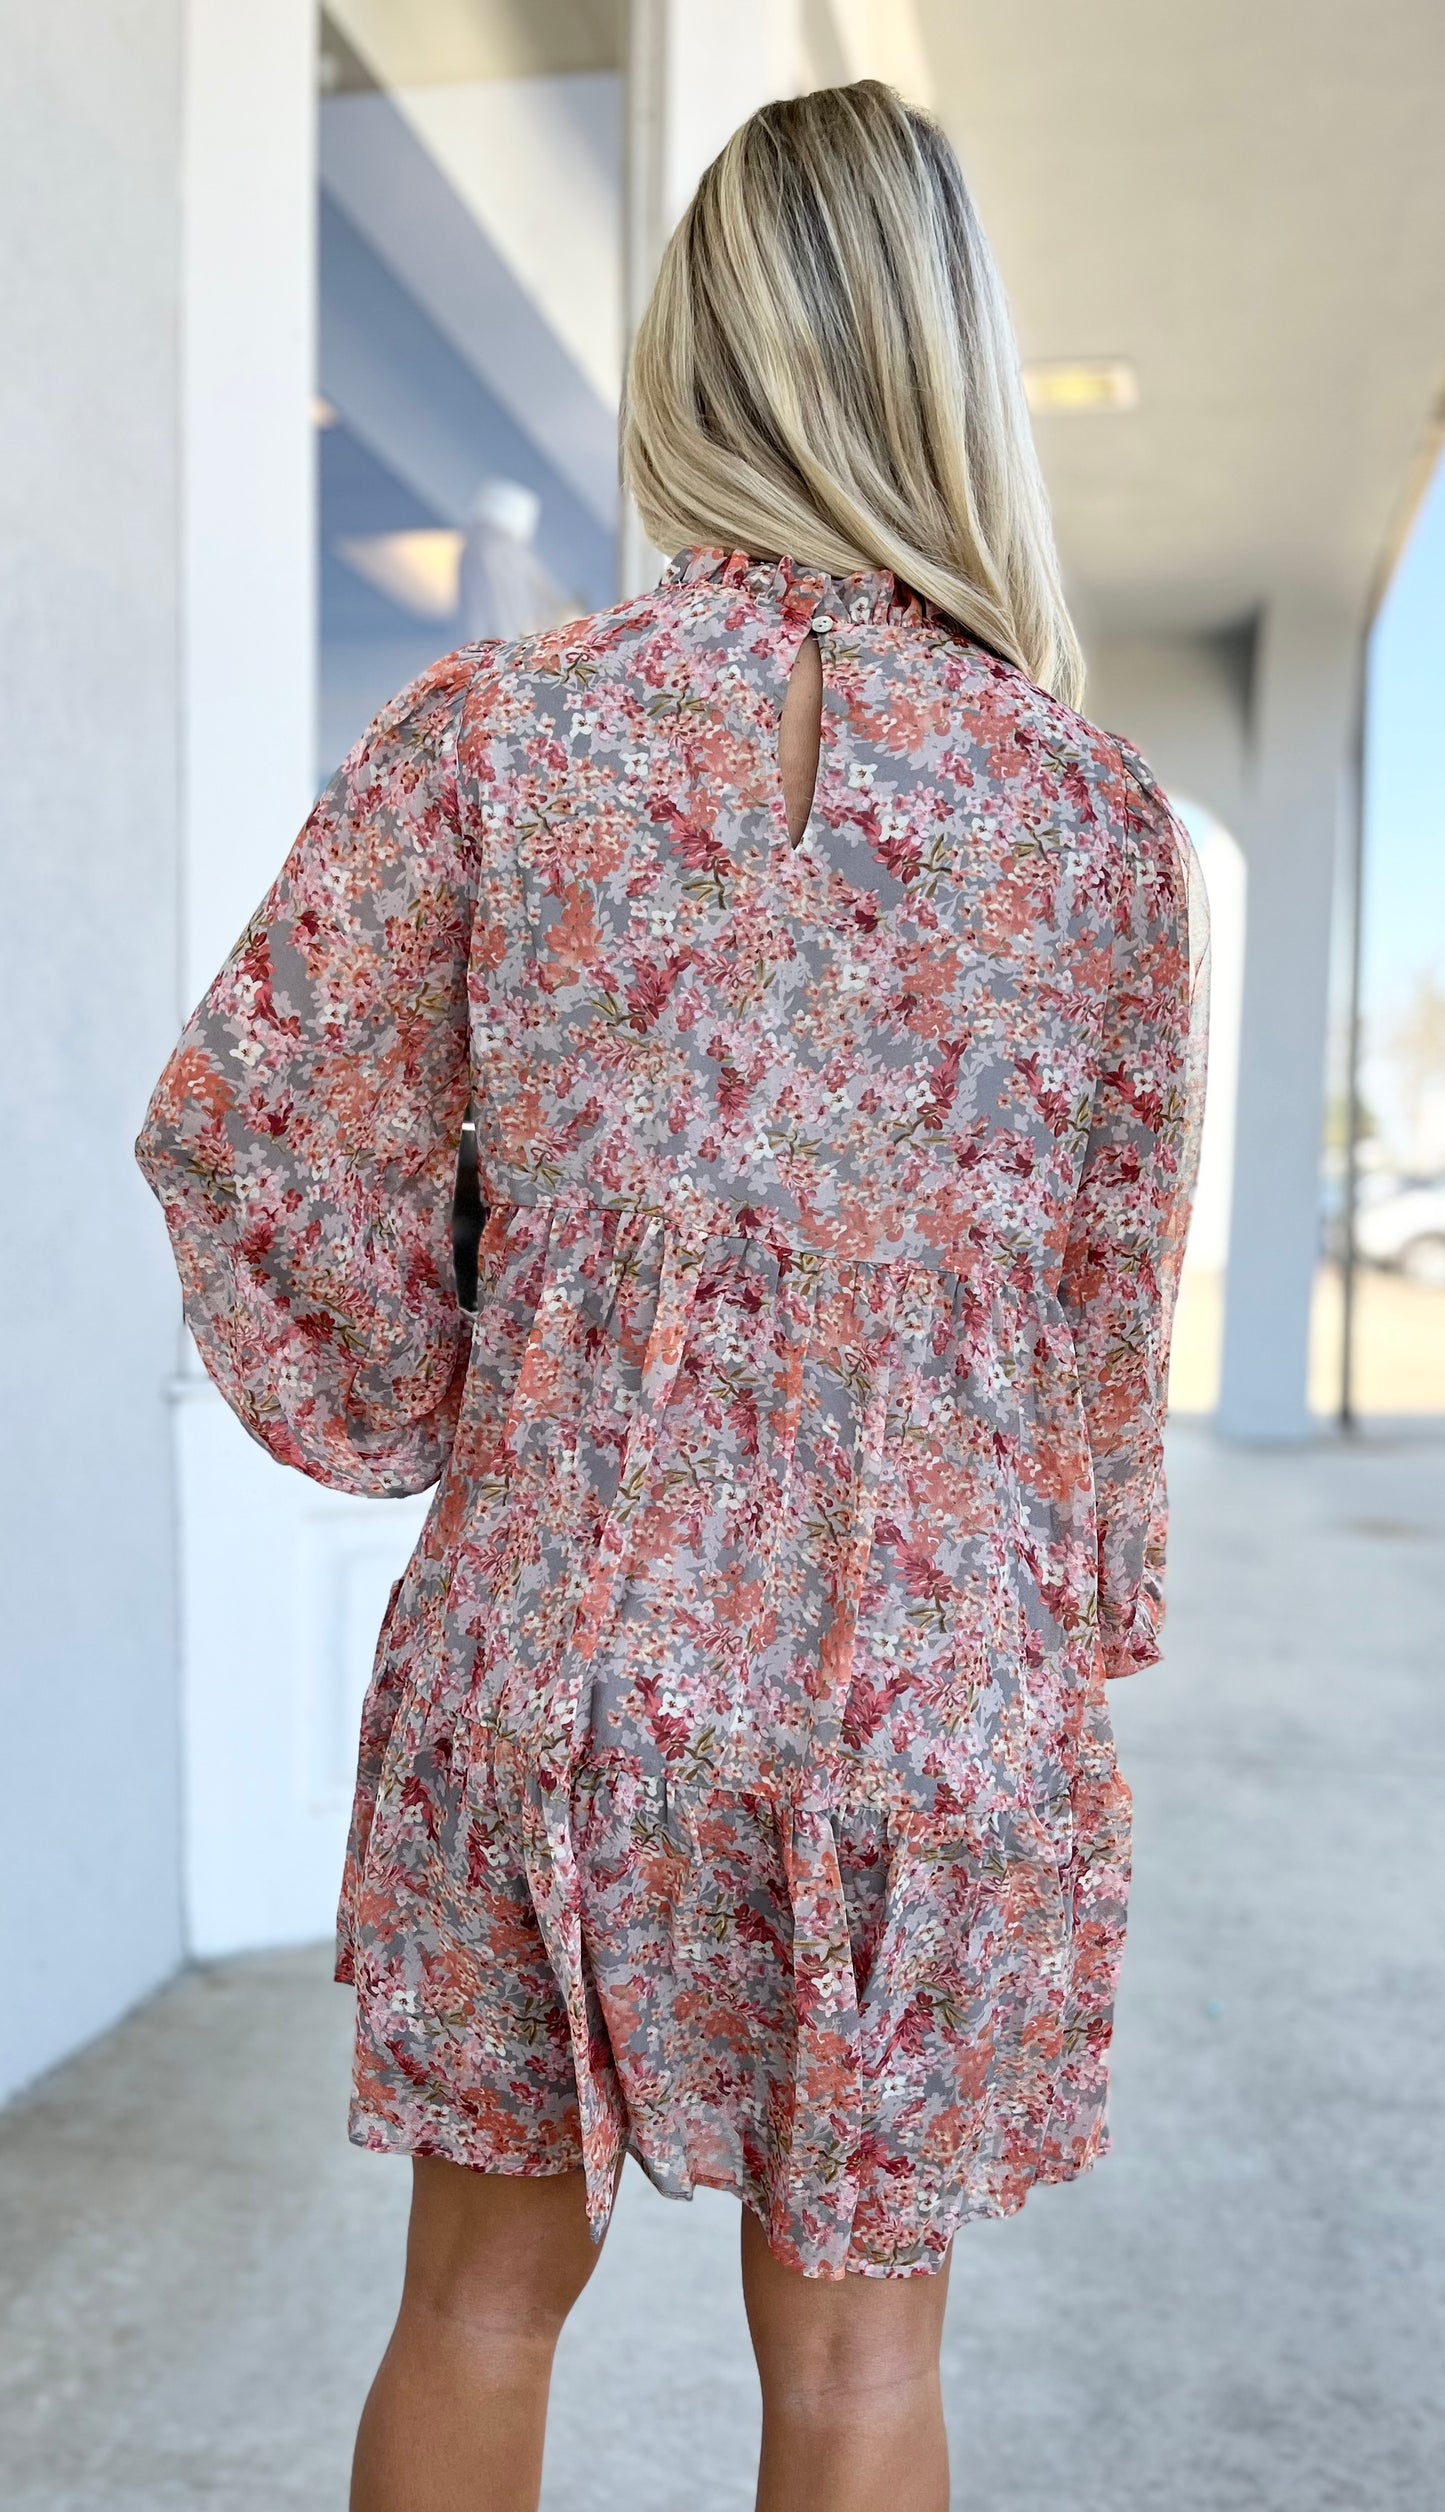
[{"x": 1242, "y": 2311}]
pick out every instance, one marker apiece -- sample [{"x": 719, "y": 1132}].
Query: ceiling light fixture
[
  {"x": 1072, "y": 384},
  {"x": 417, "y": 570}
]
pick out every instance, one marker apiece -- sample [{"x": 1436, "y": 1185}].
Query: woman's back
[
  {"x": 801, "y": 1471},
  {"x": 880, "y": 1036}
]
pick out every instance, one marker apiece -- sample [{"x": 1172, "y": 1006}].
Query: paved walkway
[{"x": 1242, "y": 2311}]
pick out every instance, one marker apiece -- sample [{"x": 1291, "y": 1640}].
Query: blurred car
[{"x": 1401, "y": 1224}]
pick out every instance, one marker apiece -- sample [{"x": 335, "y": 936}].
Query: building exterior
[{"x": 315, "y": 326}]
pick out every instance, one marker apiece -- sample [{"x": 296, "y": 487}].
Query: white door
[{"x": 283, "y": 1586}]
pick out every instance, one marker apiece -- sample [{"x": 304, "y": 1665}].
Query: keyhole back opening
[{"x": 800, "y": 732}]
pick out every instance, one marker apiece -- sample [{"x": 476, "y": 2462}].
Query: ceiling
[
  {"x": 421, "y": 43},
  {"x": 1247, "y": 202}
]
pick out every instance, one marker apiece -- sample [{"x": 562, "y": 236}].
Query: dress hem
[{"x": 375, "y": 2135}]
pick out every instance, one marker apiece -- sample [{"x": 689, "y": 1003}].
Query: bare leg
[
  {"x": 852, "y": 2410},
  {"x": 457, "y": 2412}
]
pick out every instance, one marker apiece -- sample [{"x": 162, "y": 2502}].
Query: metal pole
[{"x": 1349, "y": 1252}]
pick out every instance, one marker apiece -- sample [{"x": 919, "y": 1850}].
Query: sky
[{"x": 1404, "y": 907}]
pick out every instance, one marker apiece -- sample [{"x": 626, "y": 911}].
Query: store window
[{"x": 470, "y": 332}]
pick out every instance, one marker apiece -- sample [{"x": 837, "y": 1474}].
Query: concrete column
[
  {"x": 1306, "y": 692},
  {"x": 248, "y": 372},
  {"x": 695, "y": 70},
  {"x": 89, "y": 160},
  {"x": 699, "y": 68}
]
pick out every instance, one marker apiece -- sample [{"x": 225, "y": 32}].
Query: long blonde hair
[{"x": 826, "y": 371}]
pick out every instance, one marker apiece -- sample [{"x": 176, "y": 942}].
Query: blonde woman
[{"x": 736, "y": 1785}]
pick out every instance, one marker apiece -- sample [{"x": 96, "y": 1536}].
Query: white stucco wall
[{"x": 89, "y": 1898}]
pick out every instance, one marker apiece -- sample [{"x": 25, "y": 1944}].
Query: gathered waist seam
[{"x": 699, "y": 1221}]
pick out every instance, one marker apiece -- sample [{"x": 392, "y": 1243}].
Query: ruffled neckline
[{"x": 874, "y": 594}]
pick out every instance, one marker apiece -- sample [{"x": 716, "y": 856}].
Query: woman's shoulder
[
  {"x": 1030, "y": 737},
  {"x": 583, "y": 641}
]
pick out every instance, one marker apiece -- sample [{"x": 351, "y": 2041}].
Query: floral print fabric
[{"x": 736, "y": 1781}]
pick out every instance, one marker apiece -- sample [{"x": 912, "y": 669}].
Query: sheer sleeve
[
  {"x": 1131, "y": 1213},
  {"x": 303, "y": 1138}
]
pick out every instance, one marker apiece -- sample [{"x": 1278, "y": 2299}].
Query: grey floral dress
[{"x": 736, "y": 1783}]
